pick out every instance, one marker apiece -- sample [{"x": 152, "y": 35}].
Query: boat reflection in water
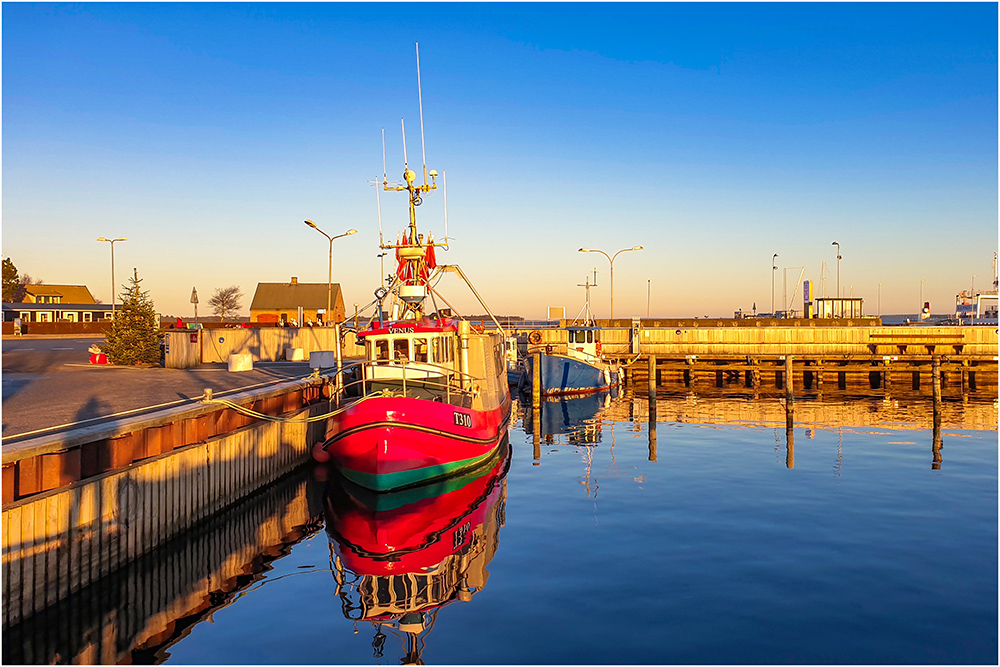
[
  {"x": 399, "y": 557},
  {"x": 577, "y": 417}
]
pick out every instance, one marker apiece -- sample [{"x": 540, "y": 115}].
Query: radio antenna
[
  {"x": 420, "y": 102},
  {"x": 385, "y": 175},
  {"x": 406, "y": 164},
  {"x": 378, "y": 205},
  {"x": 444, "y": 177}
]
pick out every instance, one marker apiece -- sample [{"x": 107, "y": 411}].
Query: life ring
[
  {"x": 598, "y": 348},
  {"x": 535, "y": 337}
]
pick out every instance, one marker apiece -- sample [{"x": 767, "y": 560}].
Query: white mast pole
[
  {"x": 406, "y": 164},
  {"x": 385, "y": 174},
  {"x": 420, "y": 102},
  {"x": 444, "y": 181}
]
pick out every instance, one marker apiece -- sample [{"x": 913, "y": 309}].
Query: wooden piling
[
  {"x": 936, "y": 379},
  {"x": 789, "y": 395},
  {"x": 536, "y": 381},
  {"x": 651, "y": 383}
]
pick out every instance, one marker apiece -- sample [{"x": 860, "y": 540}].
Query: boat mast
[{"x": 413, "y": 251}]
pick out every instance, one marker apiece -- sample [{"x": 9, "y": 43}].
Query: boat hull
[
  {"x": 567, "y": 376},
  {"x": 390, "y": 443}
]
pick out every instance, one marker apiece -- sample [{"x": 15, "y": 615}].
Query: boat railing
[{"x": 415, "y": 377}]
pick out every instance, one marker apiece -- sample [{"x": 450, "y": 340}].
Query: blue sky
[{"x": 714, "y": 135}]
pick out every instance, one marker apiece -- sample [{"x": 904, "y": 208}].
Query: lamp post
[
  {"x": 329, "y": 280},
  {"x": 920, "y": 313},
  {"x": 611, "y": 259},
  {"x": 381, "y": 257},
  {"x": 648, "y": 287},
  {"x": 839, "y": 295},
  {"x": 880, "y": 299},
  {"x": 112, "y": 242},
  {"x": 774, "y": 267}
]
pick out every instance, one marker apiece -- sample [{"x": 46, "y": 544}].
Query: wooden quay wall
[
  {"x": 80, "y": 504},
  {"x": 135, "y": 614}
]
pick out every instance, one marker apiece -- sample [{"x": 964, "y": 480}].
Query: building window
[{"x": 87, "y": 317}]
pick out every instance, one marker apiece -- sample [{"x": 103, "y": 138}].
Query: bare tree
[{"x": 226, "y": 302}]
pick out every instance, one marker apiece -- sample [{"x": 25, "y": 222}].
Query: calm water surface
[
  {"x": 853, "y": 547},
  {"x": 855, "y": 540}
]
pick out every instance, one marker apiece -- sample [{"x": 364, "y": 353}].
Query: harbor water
[{"x": 860, "y": 536}]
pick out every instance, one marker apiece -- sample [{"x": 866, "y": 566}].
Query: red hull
[{"x": 386, "y": 443}]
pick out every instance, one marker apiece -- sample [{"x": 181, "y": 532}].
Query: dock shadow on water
[
  {"x": 686, "y": 529},
  {"x": 135, "y": 613}
]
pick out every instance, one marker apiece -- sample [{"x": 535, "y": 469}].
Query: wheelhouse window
[
  {"x": 401, "y": 349},
  {"x": 381, "y": 350},
  {"x": 421, "y": 350}
]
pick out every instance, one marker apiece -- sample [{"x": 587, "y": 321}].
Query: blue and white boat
[{"x": 582, "y": 370}]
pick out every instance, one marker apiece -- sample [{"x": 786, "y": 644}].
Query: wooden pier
[{"x": 825, "y": 354}]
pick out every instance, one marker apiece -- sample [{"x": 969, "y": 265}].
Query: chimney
[{"x": 295, "y": 281}]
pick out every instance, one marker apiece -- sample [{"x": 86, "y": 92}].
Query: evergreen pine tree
[{"x": 134, "y": 337}]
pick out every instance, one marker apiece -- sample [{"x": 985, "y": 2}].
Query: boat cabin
[
  {"x": 423, "y": 350},
  {"x": 584, "y": 343}
]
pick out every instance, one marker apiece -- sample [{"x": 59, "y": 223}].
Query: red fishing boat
[{"x": 431, "y": 397}]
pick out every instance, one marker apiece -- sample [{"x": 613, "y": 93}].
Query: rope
[{"x": 260, "y": 415}]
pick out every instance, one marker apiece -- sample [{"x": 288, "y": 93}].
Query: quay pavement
[{"x": 70, "y": 393}]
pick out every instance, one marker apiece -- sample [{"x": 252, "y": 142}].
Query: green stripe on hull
[{"x": 404, "y": 478}]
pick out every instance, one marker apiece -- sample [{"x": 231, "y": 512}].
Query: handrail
[{"x": 447, "y": 378}]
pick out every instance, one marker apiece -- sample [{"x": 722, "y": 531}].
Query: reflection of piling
[
  {"x": 651, "y": 395},
  {"x": 789, "y": 437},
  {"x": 936, "y": 437},
  {"x": 652, "y": 440},
  {"x": 936, "y": 441},
  {"x": 651, "y": 430}
]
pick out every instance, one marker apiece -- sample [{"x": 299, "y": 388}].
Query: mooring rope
[{"x": 315, "y": 418}]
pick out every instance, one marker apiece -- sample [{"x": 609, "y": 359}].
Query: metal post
[
  {"x": 339, "y": 356},
  {"x": 112, "y": 279},
  {"x": 774, "y": 268},
  {"x": 329, "y": 287}
]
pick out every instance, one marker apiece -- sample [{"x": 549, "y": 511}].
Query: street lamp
[
  {"x": 611, "y": 259},
  {"x": 880, "y": 299},
  {"x": 839, "y": 295},
  {"x": 774, "y": 268},
  {"x": 329, "y": 280},
  {"x": 112, "y": 242}
]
